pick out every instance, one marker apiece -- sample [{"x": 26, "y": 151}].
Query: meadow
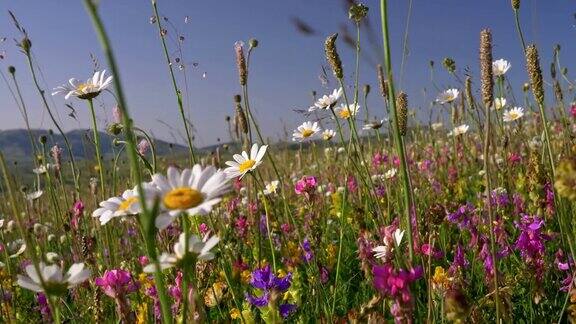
[{"x": 467, "y": 218}]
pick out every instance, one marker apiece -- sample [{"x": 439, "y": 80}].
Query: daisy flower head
[
  {"x": 513, "y": 114},
  {"x": 459, "y": 130},
  {"x": 85, "y": 90},
  {"x": 271, "y": 187},
  {"x": 128, "y": 204},
  {"x": 328, "y": 134},
  {"x": 305, "y": 131},
  {"x": 346, "y": 111},
  {"x": 500, "y": 67},
  {"x": 499, "y": 103},
  {"x": 377, "y": 124},
  {"x": 327, "y": 101},
  {"x": 193, "y": 191},
  {"x": 244, "y": 163},
  {"x": 447, "y": 96},
  {"x": 436, "y": 126},
  {"x": 200, "y": 248},
  {"x": 56, "y": 283}
]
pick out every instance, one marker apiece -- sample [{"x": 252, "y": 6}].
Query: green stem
[
  {"x": 147, "y": 216},
  {"x": 397, "y": 139},
  {"x": 519, "y": 30},
  {"x": 66, "y": 142},
  {"x": 97, "y": 146},
  {"x": 175, "y": 86}
]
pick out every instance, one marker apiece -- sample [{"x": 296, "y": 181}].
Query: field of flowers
[{"x": 468, "y": 218}]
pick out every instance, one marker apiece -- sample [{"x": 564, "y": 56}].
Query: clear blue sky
[{"x": 285, "y": 66}]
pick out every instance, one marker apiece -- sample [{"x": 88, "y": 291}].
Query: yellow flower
[
  {"x": 245, "y": 276},
  {"x": 235, "y": 313},
  {"x": 440, "y": 280},
  {"x": 142, "y": 314}
]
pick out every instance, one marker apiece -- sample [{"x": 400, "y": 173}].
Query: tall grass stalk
[
  {"x": 407, "y": 193},
  {"x": 177, "y": 91},
  {"x": 147, "y": 216}
]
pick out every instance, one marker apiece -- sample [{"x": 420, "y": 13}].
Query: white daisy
[
  {"x": 500, "y": 67},
  {"x": 398, "y": 234},
  {"x": 436, "y": 126},
  {"x": 194, "y": 191},
  {"x": 199, "y": 247},
  {"x": 346, "y": 112},
  {"x": 41, "y": 169},
  {"x": 390, "y": 173},
  {"x": 448, "y": 96},
  {"x": 327, "y": 101},
  {"x": 85, "y": 90},
  {"x": 328, "y": 134},
  {"x": 245, "y": 163},
  {"x": 499, "y": 103},
  {"x": 513, "y": 114},
  {"x": 271, "y": 187},
  {"x": 55, "y": 282},
  {"x": 305, "y": 131},
  {"x": 34, "y": 195},
  {"x": 127, "y": 204},
  {"x": 15, "y": 248},
  {"x": 459, "y": 130},
  {"x": 377, "y": 124}
]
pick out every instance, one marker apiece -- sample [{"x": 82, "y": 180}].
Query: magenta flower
[
  {"x": 306, "y": 186},
  {"x": 117, "y": 283}
]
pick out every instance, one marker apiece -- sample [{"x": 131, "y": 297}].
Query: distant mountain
[{"x": 15, "y": 143}]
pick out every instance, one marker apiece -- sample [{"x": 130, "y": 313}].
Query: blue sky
[{"x": 285, "y": 67}]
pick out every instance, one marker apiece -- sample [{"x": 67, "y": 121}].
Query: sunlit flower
[
  {"x": 448, "y": 96},
  {"x": 125, "y": 205},
  {"x": 305, "y": 131},
  {"x": 327, "y": 101},
  {"x": 459, "y": 130},
  {"x": 499, "y": 103},
  {"x": 343, "y": 111},
  {"x": 513, "y": 114},
  {"x": 55, "y": 282},
  {"x": 199, "y": 248},
  {"x": 85, "y": 90},
  {"x": 328, "y": 134},
  {"x": 245, "y": 163},
  {"x": 193, "y": 191},
  {"x": 376, "y": 124},
  {"x": 398, "y": 235},
  {"x": 271, "y": 187},
  {"x": 500, "y": 67}
]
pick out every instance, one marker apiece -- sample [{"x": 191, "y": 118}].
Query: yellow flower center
[
  {"x": 127, "y": 203},
  {"x": 513, "y": 115},
  {"x": 182, "y": 198},
  {"x": 345, "y": 113},
  {"x": 307, "y": 133},
  {"x": 246, "y": 165},
  {"x": 82, "y": 87}
]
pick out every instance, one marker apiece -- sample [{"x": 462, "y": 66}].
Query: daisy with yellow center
[
  {"x": 193, "y": 191},
  {"x": 127, "y": 204},
  {"x": 448, "y": 96},
  {"x": 346, "y": 111},
  {"x": 513, "y": 114},
  {"x": 328, "y": 134},
  {"x": 244, "y": 163},
  {"x": 327, "y": 101},
  {"x": 85, "y": 90},
  {"x": 306, "y": 131},
  {"x": 499, "y": 103}
]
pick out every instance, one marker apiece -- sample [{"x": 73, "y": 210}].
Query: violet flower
[{"x": 270, "y": 288}]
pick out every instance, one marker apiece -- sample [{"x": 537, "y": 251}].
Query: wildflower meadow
[{"x": 460, "y": 210}]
